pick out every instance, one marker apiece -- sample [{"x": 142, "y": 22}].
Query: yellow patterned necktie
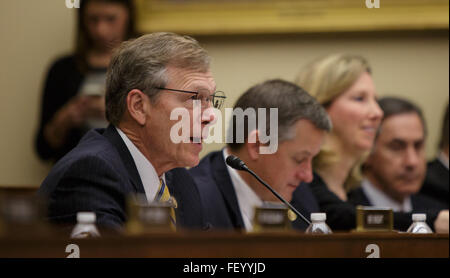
[{"x": 163, "y": 196}]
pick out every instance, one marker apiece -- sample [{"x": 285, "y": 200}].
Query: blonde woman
[{"x": 344, "y": 86}]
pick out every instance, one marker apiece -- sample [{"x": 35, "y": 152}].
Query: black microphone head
[{"x": 236, "y": 163}]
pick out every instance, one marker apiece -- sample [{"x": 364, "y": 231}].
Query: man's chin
[
  {"x": 191, "y": 161},
  {"x": 410, "y": 191},
  {"x": 407, "y": 189},
  {"x": 409, "y": 184}
]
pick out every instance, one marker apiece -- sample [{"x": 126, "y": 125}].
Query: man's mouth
[
  {"x": 409, "y": 178},
  {"x": 293, "y": 185}
]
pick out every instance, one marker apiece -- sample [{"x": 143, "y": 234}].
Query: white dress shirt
[
  {"x": 147, "y": 172},
  {"x": 443, "y": 158},
  {"x": 247, "y": 198},
  {"x": 380, "y": 199}
]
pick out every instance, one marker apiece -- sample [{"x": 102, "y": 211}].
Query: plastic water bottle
[
  {"x": 85, "y": 226},
  {"x": 318, "y": 225},
  {"x": 419, "y": 226}
]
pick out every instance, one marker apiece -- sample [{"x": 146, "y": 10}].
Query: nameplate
[
  {"x": 22, "y": 212},
  {"x": 144, "y": 217},
  {"x": 371, "y": 219},
  {"x": 270, "y": 217}
]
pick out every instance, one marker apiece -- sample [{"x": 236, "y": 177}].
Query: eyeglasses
[{"x": 217, "y": 99}]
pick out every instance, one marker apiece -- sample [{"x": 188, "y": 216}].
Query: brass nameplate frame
[
  {"x": 373, "y": 219},
  {"x": 271, "y": 217},
  {"x": 147, "y": 217}
]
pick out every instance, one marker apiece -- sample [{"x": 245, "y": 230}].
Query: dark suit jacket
[
  {"x": 219, "y": 198},
  {"x": 341, "y": 215},
  {"x": 99, "y": 174},
  {"x": 436, "y": 183},
  {"x": 420, "y": 204}
]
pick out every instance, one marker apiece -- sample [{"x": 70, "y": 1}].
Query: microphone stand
[{"x": 276, "y": 194}]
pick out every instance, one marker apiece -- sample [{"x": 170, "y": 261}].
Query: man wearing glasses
[{"x": 147, "y": 79}]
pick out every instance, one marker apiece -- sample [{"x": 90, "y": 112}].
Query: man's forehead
[
  {"x": 406, "y": 127},
  {"x": 308, "y": 138},
  {"x": 192, "y": 77},
  {"x": 182, "y": 72}
]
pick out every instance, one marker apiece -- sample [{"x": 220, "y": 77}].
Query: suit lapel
[
  {"x": 363, "y": 200},
  {"x": 443, "y": 174},
  {"x": 113, "y": 136},
  {"x": 223, "y": 181}
]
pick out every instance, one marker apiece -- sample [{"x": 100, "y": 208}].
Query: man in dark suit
[
  {"x": 283, "y": 161},
  {"x": 147, "y": 79},
  {"x": 436, "y": 183},
  {"x": 395, "y": 169}
]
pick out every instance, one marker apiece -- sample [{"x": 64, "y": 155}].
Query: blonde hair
[{"x": 326, "y": 79}]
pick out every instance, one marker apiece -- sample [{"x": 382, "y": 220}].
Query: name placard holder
[
  {"x": 373, "y": 219},
  {"x": 147, "y": 217},
  {"x": 271, "y": 217}
]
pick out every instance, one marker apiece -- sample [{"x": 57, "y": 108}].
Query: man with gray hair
[
  {"x": 229, "y": 196},
  {"x": 147, "y": 79}
]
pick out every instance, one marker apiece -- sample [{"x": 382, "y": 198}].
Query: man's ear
[
  {"x": 252, "y": 145},
  {"x": 138, "y": 105}
]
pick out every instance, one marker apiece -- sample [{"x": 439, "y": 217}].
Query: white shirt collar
[
  {"x": 247, "y": 198},
  {"x": 380, "y": 199},
  {"x": 443, "y": 158},
  {"x": 147, "y": 172}
]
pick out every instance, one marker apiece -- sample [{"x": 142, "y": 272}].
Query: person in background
[
  {"x": 343, "y": 84},
  {"x": 73, "y": 97},
  {"x": 395, "y": 169},
  {"x": 436, "y": 183},
  {"x": 229, "y": 196},
  {"x": 147, "y": 79}
]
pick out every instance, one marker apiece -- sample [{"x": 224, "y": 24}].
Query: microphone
[{"x": 236, "y": 163}]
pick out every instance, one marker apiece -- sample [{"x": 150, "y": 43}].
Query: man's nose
[
  {"x": 412, "y": 158},
  {"x": 304, "y": 174},
  {"x": 208, "y": 115}
]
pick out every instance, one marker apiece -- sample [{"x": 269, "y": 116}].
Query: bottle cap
[
  {"x": 86, "y": 217},
  {"x": 318, "y": 216},
  {"x": 419, "y": 217}
]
